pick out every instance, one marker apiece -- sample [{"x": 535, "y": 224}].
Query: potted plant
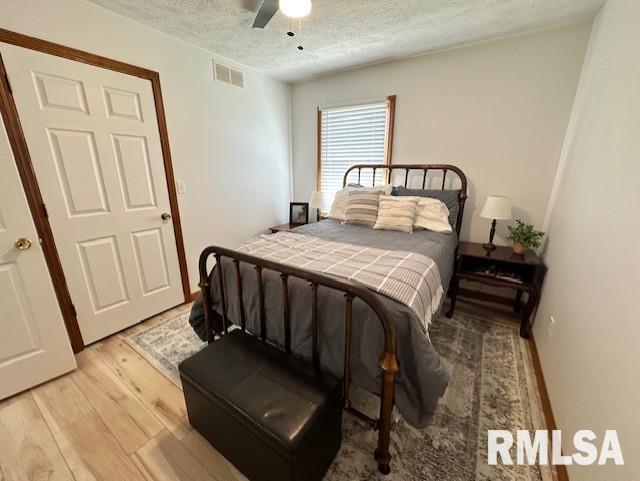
[{"x": 524, "y": 237}]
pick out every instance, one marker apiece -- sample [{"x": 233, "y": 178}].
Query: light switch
[{"x": 181, "y": 186}]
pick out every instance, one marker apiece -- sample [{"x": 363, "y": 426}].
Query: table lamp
[
  {"x": 496, "y": 207},
  {"x": 315, "y": 202}
]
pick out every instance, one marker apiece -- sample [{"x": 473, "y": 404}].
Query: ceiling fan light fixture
[{"x": 295, "y": 8}]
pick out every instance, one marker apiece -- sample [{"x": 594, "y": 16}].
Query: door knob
[
  {"x": 23, "y": 244},
  {"x": 165, "y": 216}
]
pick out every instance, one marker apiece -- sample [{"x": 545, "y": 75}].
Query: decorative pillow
[
  {"x": 396, "y": 213},
  {"x": 450, "y": 197},
  {"x": 385, "y": 189},
  {"x": 339, "y": 205},
  {"x": 362, "y": 207},
  {"x": 431, "y": 214}
]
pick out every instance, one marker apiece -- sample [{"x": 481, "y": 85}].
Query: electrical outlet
[
  {"x": 181, "y": 186},
  {"x": 550, "y": 325}
]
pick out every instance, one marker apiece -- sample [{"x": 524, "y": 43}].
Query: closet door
[
  {"x": 34, "y": 346},
  {"x": 94, "y": 142}
]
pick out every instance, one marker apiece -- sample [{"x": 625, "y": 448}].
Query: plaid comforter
[{"x": 406, "y": 277}]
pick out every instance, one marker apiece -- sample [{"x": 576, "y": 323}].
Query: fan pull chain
[
  {"x": 300, "y": 47},
  {"x": 291, "y": 33}
]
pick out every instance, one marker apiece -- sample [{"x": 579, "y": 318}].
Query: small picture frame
[{"x": 298, "y": 213}]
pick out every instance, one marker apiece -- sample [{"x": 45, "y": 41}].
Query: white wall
[
  {"x": 591, "y": 359},
  {"x": 498, "y": 110},
  {"x": 230, "y": 145}
]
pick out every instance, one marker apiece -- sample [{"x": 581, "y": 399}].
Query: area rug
[{"x": 491, "y": 387}]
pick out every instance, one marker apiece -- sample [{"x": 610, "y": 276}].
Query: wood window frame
[
  {"x": 18, "y": 143},
  {"x": 388, "y": 146}
]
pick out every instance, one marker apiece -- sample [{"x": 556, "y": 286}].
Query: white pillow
[
  {"x": 385, "y": 189},
  {"x": 339, "y": 205},
  {"x": 396, "y": 213},
  {"x": 432, "y": 214}
]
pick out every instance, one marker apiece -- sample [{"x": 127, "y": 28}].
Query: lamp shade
[
  {"x": 496, "y": 207},
  {"x": 316, "y": 200},
  {"x": 295, "y": 8}
]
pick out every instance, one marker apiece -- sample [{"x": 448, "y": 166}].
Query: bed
[{"x": 362, "y": 336}]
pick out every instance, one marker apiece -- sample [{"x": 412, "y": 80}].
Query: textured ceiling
[{"x": 340, "y": 34}]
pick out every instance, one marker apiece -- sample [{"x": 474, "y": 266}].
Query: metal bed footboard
[{"x": 388, "y": 359}]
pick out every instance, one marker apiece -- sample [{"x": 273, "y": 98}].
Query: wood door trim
[
  {"x": 44, "y": 46},
  {"x": 171, "y": 185},
  {"x": 27, "y": 174}
]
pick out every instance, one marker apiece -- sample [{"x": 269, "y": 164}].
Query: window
[{"x": 357, "y": 134}]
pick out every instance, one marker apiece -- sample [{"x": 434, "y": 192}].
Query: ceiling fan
[{"x": 291, "y": 8}]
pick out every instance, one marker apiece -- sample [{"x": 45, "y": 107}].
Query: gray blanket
[
  {"x": 411, "y": 279},
  {"x": 422, "y": 378}
]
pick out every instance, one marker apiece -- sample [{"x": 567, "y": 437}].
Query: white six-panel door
[
  {"x": 94, "y": 142},
  {"x": 34, "y": 346}
]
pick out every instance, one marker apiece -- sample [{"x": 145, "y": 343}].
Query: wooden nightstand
[
  {"x": 500, "y": 268},
  {"x": 282, "y": 228}
]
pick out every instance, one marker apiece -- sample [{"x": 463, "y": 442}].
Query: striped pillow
[
  {"x": 339, "y": 205},
  {"x": 396, "y": 213},
  {"x": 362, "y": 207}
]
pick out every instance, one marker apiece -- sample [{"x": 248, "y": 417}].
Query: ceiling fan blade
[{"x": 265, "y": 12}]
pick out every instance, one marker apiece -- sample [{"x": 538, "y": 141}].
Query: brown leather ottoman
[{"x": 274, "y": 417}]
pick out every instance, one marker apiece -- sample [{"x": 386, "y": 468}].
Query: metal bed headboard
[{"x": 426, "y": 169}]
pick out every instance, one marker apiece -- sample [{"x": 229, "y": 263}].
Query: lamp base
[{"x": 489, "y": 246}]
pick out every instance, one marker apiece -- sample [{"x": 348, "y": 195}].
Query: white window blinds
[{"x": 351, "y": 135}]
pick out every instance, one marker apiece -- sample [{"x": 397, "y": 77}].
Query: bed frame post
[
  {"x": 462, "y": 200},
  {"x": 348, "y": 320},
  {"x": 389, "y": 365},
  {"x": 204, "y": 285}
]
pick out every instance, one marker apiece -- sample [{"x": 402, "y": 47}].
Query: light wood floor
[{"x": 115, "y": 418}]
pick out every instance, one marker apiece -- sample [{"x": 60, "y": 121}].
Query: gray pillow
[
  {"x": 362, "y": 207},
  {"x": 450, "y": 198}
]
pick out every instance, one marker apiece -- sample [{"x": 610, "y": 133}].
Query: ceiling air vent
[{"x": 228, "y": 75}]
